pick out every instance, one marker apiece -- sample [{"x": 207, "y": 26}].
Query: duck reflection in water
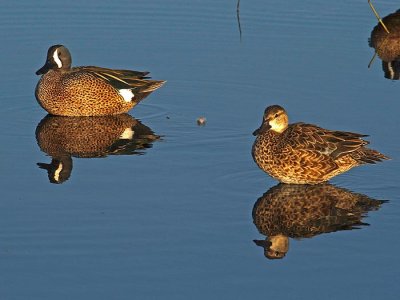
[
  {"x": 387, "y": 45},
  {"x": 304, "y": 211},
  {"x": 87, "y": 137}
]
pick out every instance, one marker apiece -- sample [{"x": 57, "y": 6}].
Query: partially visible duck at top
[
  {"x": 302, "y": 153},
  {"x": 387, "y": 44},
  {"x": 88, "y": 91}
]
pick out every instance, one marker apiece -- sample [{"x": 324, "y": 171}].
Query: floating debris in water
[{"x": 201, "y": 121}]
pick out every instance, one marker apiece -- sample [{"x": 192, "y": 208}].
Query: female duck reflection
[
  {"x": 387, "y": 45},
  {"x": 86, "y": 137},
  {"x": 303, "y": 211}
]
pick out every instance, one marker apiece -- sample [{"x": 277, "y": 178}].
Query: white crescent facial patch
[{"x": 57, "y": 59}]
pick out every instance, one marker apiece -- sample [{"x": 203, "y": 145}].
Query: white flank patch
[
  {"x": 126, "y": 94},
  {"x": 57, "y": 172},
  {"x": 57, "y": 59},
  {"x": 391, "y": 71},
  {"x": 127, "y": 134}
]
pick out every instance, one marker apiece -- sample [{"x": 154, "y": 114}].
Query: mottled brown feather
[
  {"x": 305, "y": 153},
  {"x": 88, "y": 90}
]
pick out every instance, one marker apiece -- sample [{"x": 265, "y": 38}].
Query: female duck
[
  {"x": 88, "y": 91},
  {"x": 302, "y": 153}
]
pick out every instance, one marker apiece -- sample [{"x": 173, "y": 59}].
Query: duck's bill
[
  {"x": 264, "y": 127},
  {"x": 263, "y": 243},
  {"x": 44, "y": 69}
]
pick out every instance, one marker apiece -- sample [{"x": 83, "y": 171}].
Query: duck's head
[
  {"x": 275, "y": 119},
  {"x": 275, "y": 247},
  {"x": 58, "y": 58},
  {"x": 59, "y": 170}
]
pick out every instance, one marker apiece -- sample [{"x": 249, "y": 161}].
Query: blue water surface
[{"x": 175, "y": 221}]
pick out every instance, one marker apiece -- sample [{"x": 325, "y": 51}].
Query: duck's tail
[
  {"x": 143, "y": 88},
  {"x": 153, "y": 85},
  {"x": 368, "y": 156}
]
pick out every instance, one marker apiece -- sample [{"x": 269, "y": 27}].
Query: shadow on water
[
  {"x": 87, "y": 137},
  {"x": 387, "y": 45},
  {"x": 304, "y": 211}
]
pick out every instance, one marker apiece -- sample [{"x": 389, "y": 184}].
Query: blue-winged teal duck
[
  {"x": 88, "y": 91},
  {"x": 302, "y": 153}
]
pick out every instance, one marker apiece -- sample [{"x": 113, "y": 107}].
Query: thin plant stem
[
  {"x": 238, "y": 18},
  {"x": 377, "y": 16}
]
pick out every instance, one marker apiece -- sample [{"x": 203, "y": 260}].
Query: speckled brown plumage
[
  {"x": 88, "y": 91},
  {"x": 304, "y": 153},
  {"x": 387, "y": 45},
  {"x": 88, "y": 137},
  {"x": 303, "y": 211}
]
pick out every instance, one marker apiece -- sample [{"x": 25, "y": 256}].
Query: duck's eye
[{"x": 276, "y": 115}]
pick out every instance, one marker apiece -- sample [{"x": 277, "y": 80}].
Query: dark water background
[{"x": 176, "y": 222}]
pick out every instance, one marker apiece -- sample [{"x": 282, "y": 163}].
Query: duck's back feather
[{"x": 328, "y": 142}]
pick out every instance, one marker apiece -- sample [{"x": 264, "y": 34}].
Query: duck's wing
[
  {"x": 123, "y": 74},
  {"x": 327, "y": 142},
  {"x": 120, "y": 79}
]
